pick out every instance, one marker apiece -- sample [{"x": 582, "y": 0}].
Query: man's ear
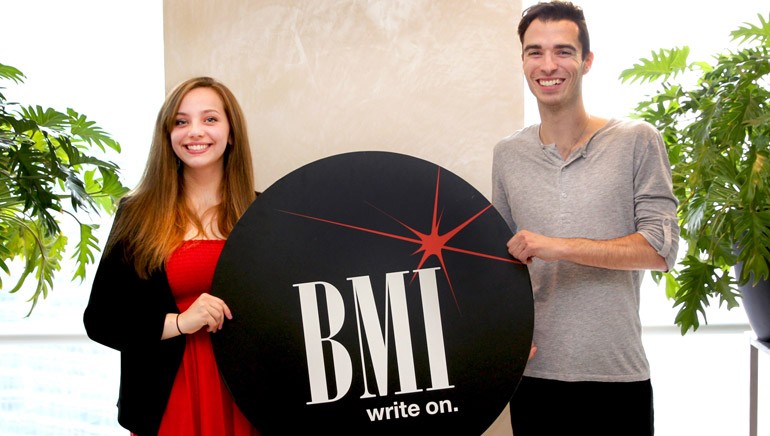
[{"x": 587, "y": 62}]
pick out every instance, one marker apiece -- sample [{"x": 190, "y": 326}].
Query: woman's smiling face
[{"x": 201, "y": 130}]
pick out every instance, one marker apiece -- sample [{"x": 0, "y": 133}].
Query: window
[{"x": 89, "y": 56}]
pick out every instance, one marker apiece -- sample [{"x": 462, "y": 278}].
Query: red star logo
[{"x": 430, "y": 244}]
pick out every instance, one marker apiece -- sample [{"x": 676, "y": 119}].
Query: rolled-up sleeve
[{"x": 655, "y": 204}]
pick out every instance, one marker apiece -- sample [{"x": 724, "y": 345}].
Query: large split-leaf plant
[
  {"x": 49, "y": 172},
  {"x": 715, "y": 120}
]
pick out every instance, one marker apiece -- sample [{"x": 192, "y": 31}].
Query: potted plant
[
  {"x": 716, "y": 127},
  {"x": 48, "y": 173}
]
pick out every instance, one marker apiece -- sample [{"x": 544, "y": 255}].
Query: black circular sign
[{"x": 372, "y": 293}]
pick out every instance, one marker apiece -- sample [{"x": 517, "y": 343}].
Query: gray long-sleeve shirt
[{"x": 587, "y": 325}]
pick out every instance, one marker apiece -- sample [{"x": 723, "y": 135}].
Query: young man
[{"x": 591, "y": 206}]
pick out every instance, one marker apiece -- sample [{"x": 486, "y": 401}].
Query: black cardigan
[{"x": 127, "y": 313}]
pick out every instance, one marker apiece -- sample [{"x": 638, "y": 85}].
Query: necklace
[{"x": 576, "y": 142}]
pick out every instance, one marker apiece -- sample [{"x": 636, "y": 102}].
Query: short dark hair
[{"x": 555, "y": 11}]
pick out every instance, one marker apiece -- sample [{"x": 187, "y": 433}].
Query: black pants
[{"x": 544, "y": 407}]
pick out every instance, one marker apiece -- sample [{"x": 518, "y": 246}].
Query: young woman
[{"x": 150, "y": 298}]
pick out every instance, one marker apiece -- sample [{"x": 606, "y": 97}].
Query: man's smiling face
[{"x": 552, "y": 62}]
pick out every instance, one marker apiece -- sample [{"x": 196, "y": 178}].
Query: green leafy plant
[
  {"x": 717, "y": 130},
  {"x": 48, "y": 173}
]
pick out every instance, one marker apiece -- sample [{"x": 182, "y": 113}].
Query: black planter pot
[{"x": 756, "y": 302}]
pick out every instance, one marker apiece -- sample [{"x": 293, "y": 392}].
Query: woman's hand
[{"x": 206, "y": 311}]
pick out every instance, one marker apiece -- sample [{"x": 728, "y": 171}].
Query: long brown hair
[{"x": 153, "y": 219}]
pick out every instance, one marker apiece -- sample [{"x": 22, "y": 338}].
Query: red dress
[{"x": 200, "y": 404}]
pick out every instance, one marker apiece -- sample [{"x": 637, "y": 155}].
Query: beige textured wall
[{"x": 435, "y": 79}]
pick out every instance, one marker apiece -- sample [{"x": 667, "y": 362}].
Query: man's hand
[
  {"x": 532, "y": 352},
  {"x": 525, "y": 245}
]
